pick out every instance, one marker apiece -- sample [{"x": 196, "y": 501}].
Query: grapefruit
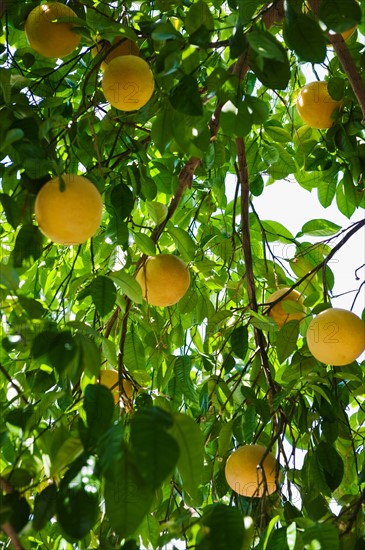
[
  {"x": 128, "y": 82},
  {"x": 164, "y": 279},
  {"x": 336, "y": 336},
  {"x": 110, "y": 379},
  {"x": 315, "y": 106},
  {"x": 120, "y": 46},
  {"x": 279, "y": 313},
  {"x": 46, "y": 36},
  {"x": 68, "y": 209},
  {"x": 244, "y": 475}
]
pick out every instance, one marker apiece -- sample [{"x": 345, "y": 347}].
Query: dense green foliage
[{"x": 212, "y": 372}]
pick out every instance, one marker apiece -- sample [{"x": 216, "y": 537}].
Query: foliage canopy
[{"x": 179, "y": 176}]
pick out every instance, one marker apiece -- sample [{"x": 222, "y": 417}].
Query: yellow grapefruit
[
  {"x": 164, "y": 279},
  {"x": 315, "y": 106},
  {"x": 70, "y": 215},
  {"x": 278, "y": 312},
  {"x": 244, "y": 475},
  {"x": 336, "y": 336},
  {"x": 110, "y": 379},
  {"x": 124, "y": 47},
  {"x": 47, "y": 37},
  {"x": 128, "y": 82}
]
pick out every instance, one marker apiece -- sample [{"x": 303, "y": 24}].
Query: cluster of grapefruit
[
  {"x": 335, "y": 336},
  {"x": 128, "y": 82}
]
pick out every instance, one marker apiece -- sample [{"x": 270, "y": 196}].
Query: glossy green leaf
[
  {"x": 191, "y": 458},
  {"x": 77, "y": 511},
  {"x": 225, "y": 529},
  {"x": 185, "y": 97},
  {"x": 103, "y": 293},
  {"x": 340, "y": 16},
  {"x": 155, "y": 451},
  {"x": 44, "y": 507},
  {"x": 320, "y": 228},
  {"x": 127, "y": 496},
  {"x": 304, "y": 35},
  {"x": 128, "y": 285},
  {"x": 99, "y": 407}
]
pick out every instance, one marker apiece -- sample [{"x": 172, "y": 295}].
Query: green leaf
[
  {"x": 183, "y": 242},
  {"x": 332, "y": 464},
  {"x": 264, "y": 44},
  {"x": 157, "y": 211},
  {"x": 275, "y": 231},
  {"x": 121, "y": 201},
  {"x": 191, "y": 444},
  {"x": 15, "y": 509},
  {"x": 44, "y": 507},
  {"x": 145, "y": 244},
  {"x": 90, "y": 359},
  {"x": 182, "y": 370},
  {"x": 9, "y": 277},
  {"x": 338, "y": 15},
  {"x": 58, "y": 349},
  {"x": 134, "y": 352},
  {"x": 225, "y": 529},
  {"x": 323, "y": 533},
  {"x": 103, "y": 293},
  {"x": 127, "y": 496},
  {"x": 239, "y": 341},
  {"x": 286, "y": 340},
  {"x": 185, "y": 97},
  {"x": 128, "y": 285},
  {"x": 165, "y": 31},
  {"x": 77, "y": 511},
  {"x": 326, "y": 192},
  {"x": 155, "y": 451},
  {"x": 162, "y": 130},
  {"x": 320, "y": 227},
  {"x": 269, "y": 61},
  {"x": 99, "y": 408},
  {"x": 69, "y": 450},
  {"x": 304, "y": 35},
  {"x": 28, "y": 244},
  {"x": 277, "y": 133},
  {"x": 198, "y": 16}
]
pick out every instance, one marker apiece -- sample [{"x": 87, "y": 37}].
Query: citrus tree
[{"x": 170, "y": 376}]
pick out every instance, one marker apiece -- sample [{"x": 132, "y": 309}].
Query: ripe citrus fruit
[
  {"x": 336, "y": 336},
  {"x": 47, "y": 37},
  {"x": 110, "y": 379},
  {"x": 128, "y": 82},
  {"x": 244, "y": 475},
  {"x": 315, "y": 106},
  {"x": 70, "y": 215},
  {"x": 279, "y": 314},
  {"x": 164, "y": 279},
  {"x": 124, "y": 47}
]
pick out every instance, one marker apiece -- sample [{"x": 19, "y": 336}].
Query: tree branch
[
  {"x": 13, "y": 384},
  {"x": 247, "y": 254},
  {"x": 6, "y": 526},
  {"x": 347, "y": 63}
]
